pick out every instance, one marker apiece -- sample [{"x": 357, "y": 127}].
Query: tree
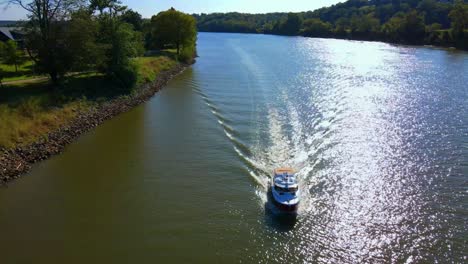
[
  {"x": 413, "y": 28},
  {"x": 12, "y": 55},
  {"x": 81, "y": 38},
  {"x": 315, "y": 27},
  {"x": 364, "y": 26},
  {"x": 433, "y": 27},
  {"x": 117, "y": 42},
  {"x": 118, "y": 65},
  {"x": 392, "y": 28},
  {"x": 409, "y": 28},
  {"x": 2, "y": 50},
  {"x": 459, "y": 17},
  {"x": 1, "y": 77},
  {"x": 341, "y": 25},
  {"x": 133, "y": 18},
  {"x": 173, "y": 28},
  {"x": 102, "y": 5},
  {"x": 292, "y": 25},
  {"x": 45, "y": 34}
]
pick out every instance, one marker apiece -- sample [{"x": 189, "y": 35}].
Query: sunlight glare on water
[{"x": 352, "y": 117}]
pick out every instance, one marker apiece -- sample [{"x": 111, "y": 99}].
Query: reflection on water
[
  {"x": 279, "y": 221},
  {"x": 377, "y": 133},
  {"x": 359, "y": 122}
]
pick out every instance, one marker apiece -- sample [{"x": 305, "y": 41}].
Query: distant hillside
[
  {"x": 237, "y": 22},
  {"x": 442, "y": 22},
  {"x": 5, "y": 23}
]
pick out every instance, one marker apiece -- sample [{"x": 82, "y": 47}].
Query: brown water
[{"x": 378, "y": 134}]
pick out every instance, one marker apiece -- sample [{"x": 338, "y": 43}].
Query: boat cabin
[{"x": 285, "y": 181}]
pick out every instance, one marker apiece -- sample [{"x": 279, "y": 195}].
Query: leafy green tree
[
  {"x": 173, "y": 28},
  {"x": 364, "y": 26},
  {"x": 409, "y": 28},
  {"x": 341, "y": 26},
  {"x": 81, "y": 39},
  {"x": 433, "y": 27},
  {"x": 2, "y": 50},
  {"x": 315, "y": 27},
  {"x": 413, "y": 27},
  {"x": 2, "y": 75},
  {"x": 133, "y": 18},
  {"x": 45, "y": 33},
  {"x": 12, "y": 56},
  {"x": 102, "y": 5},
  {"x": 392, "y": 29},
  {"x": 119, "y": 65},
  {"x": 459, "y": 17},
  {"x": 117, "y": 43},
  {"x": 291, "y": 25}
]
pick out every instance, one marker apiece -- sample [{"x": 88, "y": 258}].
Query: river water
[{"x": 378, "y": 134}]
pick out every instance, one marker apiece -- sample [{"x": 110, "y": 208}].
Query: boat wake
[
  {"x": 280, "y": 136},
  {"x": 284, "y": 142}
]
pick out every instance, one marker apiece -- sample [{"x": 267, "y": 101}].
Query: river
[{"x": 378, "y": 134}]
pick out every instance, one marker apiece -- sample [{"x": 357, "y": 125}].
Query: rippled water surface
[{"x": 378, "y": 135}]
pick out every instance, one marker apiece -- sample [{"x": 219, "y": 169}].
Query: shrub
[
  {"x": 126, "y": 75},
  {"x": 187, "y": 54}
]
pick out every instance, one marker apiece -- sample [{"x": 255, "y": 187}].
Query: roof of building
[
  {"x": 6, "y": 31},
  {"x": 10, "y": 32}
]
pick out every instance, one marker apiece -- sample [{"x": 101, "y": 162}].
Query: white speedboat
[{"x": 285, "y": 190}]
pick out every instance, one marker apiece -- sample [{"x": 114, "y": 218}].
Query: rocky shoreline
[{"x": 18, "y": 161}]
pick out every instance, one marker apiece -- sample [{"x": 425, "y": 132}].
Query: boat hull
[
  {"x": 289, "y": 208},
  {"x": 283, "y": 207}
]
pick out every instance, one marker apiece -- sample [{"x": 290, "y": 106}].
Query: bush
[
  {"x": 126, "y": 75},
  {"x": 187, "y": 54}
]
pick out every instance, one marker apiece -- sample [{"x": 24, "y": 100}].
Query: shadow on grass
[
  {"x": 90, "y": 87},
  {"x": 21, "y": 72}
]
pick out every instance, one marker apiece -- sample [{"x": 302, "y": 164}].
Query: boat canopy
[
  {"x": 284, "y": 170},
  {"x": 285, "y": 178}
]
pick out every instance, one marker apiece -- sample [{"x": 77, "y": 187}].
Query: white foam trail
[
  {"x": 292, "y": 149},
  {"x": 252, "y": 162},
  {"x": 223, "y": 124},
  {"x": 262, "y": 181},
  {"x": 229, "y": 135},
  {"x": 279, "y": 150}
]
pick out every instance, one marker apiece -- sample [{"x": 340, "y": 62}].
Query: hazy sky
[{"x": 150, "y": 7}]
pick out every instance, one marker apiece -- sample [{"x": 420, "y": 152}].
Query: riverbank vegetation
[
  {"x": 92, "y": 52},
  {"x": 30, "y": 110},
  {"x": 431, "y": 22}
]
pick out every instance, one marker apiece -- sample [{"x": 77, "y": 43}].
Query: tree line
[
  {"x": 64, "y": 36},
  {"x": 443, "y": 23}
]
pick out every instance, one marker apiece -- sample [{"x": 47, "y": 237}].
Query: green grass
[
  {"x": 25, "y": 71},
  {"x": 150, "y": 67},
  {"x": 31, "y": 110},
  {"x": 32, "y": 119}
]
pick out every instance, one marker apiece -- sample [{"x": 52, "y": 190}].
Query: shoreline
[
  {"x": 422, "y": 45},
  {"x": 18, "y": 161}
]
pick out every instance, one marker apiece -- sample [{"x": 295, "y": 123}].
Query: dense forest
[{"x": 442, "y": 23}]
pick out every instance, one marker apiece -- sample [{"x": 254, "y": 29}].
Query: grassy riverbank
[
  {"x": 23, "y": 71},
  {"x": 31, "y": 110}
]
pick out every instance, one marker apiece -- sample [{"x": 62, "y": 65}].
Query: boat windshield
[{"x": 286, "y": 190}]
